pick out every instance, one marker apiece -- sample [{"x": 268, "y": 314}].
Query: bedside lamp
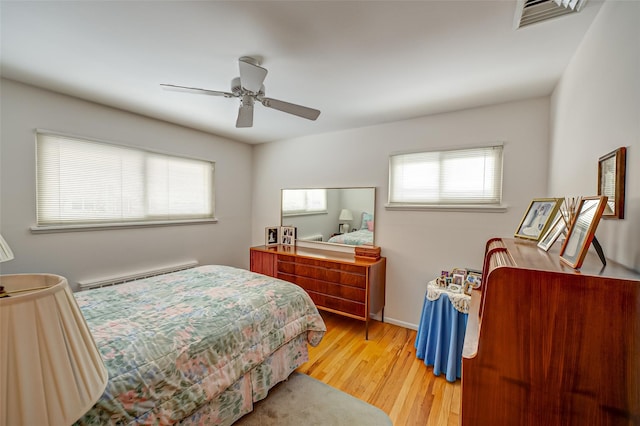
[
  {"x": 51, "y": 372},
  {"x": 345, "y": 215}
]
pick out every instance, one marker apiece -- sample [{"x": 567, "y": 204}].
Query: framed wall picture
[
  {"x": 288, "y": 235},
  {"x": 271, "y": 235},
  {"x": 538, "y": 217},
  {"x": 582, "y": 231},
  {"x": 555, "y": 230},
  {"x": 611, "y": 178}
]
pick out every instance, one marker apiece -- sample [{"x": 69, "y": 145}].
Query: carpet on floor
[{"x": 303, "y": 400}]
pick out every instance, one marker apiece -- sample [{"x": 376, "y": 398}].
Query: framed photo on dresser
[
  {"x": 271, "y": 235},
  {"x": 582, "y": 231},
  {"x": 538, "y": 217},
  {"x": 552, "y": 234},
  {"x": 288, "y": 235}
]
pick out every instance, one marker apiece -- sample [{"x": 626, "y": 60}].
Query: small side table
[{"x": 441, "y": 331}]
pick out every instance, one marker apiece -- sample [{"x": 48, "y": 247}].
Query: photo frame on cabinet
[
  {"x": 611, "y": 178},
  {"x": 271, "y": 235},
  {"x": 288, "y": 235},
  {"x": 582, "y": 231},
  {"x": 555, "y": 230},
  {"x": 538, "y": 218},
  {"x": 468, "y": 288}
]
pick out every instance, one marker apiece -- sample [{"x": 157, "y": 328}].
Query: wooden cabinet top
[
  {"x": 333, "y": 256},
  {"x": 525, "y": 254}
]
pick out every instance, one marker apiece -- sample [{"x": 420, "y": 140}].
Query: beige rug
[{"x": 303, "y": 400}]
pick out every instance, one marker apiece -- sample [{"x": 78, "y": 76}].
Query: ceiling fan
[{"x": 249, "y": 88}]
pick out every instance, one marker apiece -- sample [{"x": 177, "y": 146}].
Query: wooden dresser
[
  {"x": 337, "y": 282},
  {"x": 547, "y": 345}
]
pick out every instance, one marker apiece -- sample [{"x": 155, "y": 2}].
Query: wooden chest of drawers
[{"x": 336, "y": 282}]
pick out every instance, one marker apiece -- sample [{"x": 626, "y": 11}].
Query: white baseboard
[{"x": 399, "y": 323}]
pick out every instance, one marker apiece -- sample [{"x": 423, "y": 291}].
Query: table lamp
[
  {"x": 51, "y": 372},
  {"x": 345, "y": 215}
]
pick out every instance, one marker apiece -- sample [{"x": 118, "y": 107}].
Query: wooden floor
[{"x": 383, "y": 371}]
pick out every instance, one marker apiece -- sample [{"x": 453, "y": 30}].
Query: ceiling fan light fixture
[{"x": 249, "y": 87}]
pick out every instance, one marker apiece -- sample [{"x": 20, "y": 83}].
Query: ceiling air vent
[{"x": 532, "y": 11}]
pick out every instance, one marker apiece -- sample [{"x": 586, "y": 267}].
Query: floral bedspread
[
  {"x": 355, "y": 238},
  {"x": 174, "y": 342}
]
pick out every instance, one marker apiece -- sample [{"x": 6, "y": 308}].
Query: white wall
[
  {"x": 94, "y": 254},
  {"x": 595, "y": 109},
  {"x": 417, "y": 244}
]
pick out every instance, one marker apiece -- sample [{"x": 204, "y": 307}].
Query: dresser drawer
[
  {"x": 327, "y": 264},
  {"x": 336, "y": 304},
  {"x": 355, "y": 294},
  {"x": 325, "y": 273}
]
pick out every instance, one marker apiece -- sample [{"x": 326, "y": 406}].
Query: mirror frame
[{"x": 326, "y": 244}]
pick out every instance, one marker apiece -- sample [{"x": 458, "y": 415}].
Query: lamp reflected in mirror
[{"x": 345, "y": 216}]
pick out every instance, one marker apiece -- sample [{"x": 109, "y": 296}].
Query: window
[
  {"x": 82, "y": 182},
  {"x": 461, "y": 177},
  {"x": 304, "y": 201}
]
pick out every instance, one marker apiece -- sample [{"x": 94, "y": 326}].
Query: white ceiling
[{"x": 360, "y": 62}]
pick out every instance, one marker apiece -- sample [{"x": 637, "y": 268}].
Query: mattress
[
  {"x": 175, "y": 343},
  {"x": 355, "y": 238}
]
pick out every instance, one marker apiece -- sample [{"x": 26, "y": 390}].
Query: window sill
[
  {"x": 479, "y": 208},
  {"x": 46, "y": 229},
  {"x": 304, "y": 213}
]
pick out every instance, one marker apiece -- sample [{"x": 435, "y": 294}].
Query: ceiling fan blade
[
  {"x": 245, "y": 114},
  {"x": 299, "y": 110},
  {"x": 251, "y": 75},
  {"x": 197, "y": 90}
]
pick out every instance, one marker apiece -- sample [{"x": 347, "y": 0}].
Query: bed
[
  {"x": 356, "y": 238},
  {"x": 198, "y": 346}
]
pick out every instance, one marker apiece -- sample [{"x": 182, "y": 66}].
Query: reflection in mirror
[{"x": 333, "y": 215}]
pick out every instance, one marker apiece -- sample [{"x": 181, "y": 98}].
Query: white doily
[{"x": 458, "y": 299}]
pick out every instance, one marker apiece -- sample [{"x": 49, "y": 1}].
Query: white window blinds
[
  {"x": 455, "y": 177},
  {"x": 87, "y": 182},
  {"x": 304, "y": 201}
]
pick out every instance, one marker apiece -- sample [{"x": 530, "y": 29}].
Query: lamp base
[{"x": 344, "y": 228}]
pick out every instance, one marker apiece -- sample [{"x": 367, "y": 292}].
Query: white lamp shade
[
  {"x": 5, "y": 250},
  {"x": 51, "y": 372},
  {"x": 345, "y": 214}
]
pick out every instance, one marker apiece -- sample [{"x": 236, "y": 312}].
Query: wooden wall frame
[{"x": 611, "y": 178}]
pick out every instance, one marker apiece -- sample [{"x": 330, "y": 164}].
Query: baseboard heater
[{"x": 105, "y": 282}]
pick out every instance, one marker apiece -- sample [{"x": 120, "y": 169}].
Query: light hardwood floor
[{"x": 383, "y": 371}]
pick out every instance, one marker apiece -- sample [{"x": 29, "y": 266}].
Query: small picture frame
[
  {"x": 611, "y": 178},
  {"x": 474, "y": 278},
  {"x": 458, "y": 279},
  {"x": 552, "y": 234},
  {"x": 537, "y": 219},
  {"x": 468, "y": 288},
  {"x": 454, "y": 288},
  {"x": 459, "y": 271},
  {"x": 582, "y": 231},
  {"x": 288, "y": 235},
  {"x": 271, "y": 234}
]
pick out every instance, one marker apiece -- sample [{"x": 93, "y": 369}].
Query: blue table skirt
[{"x": 441, "y": 337}]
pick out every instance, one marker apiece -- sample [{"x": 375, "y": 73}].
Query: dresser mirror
[{"x": 330, "y": 215}]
